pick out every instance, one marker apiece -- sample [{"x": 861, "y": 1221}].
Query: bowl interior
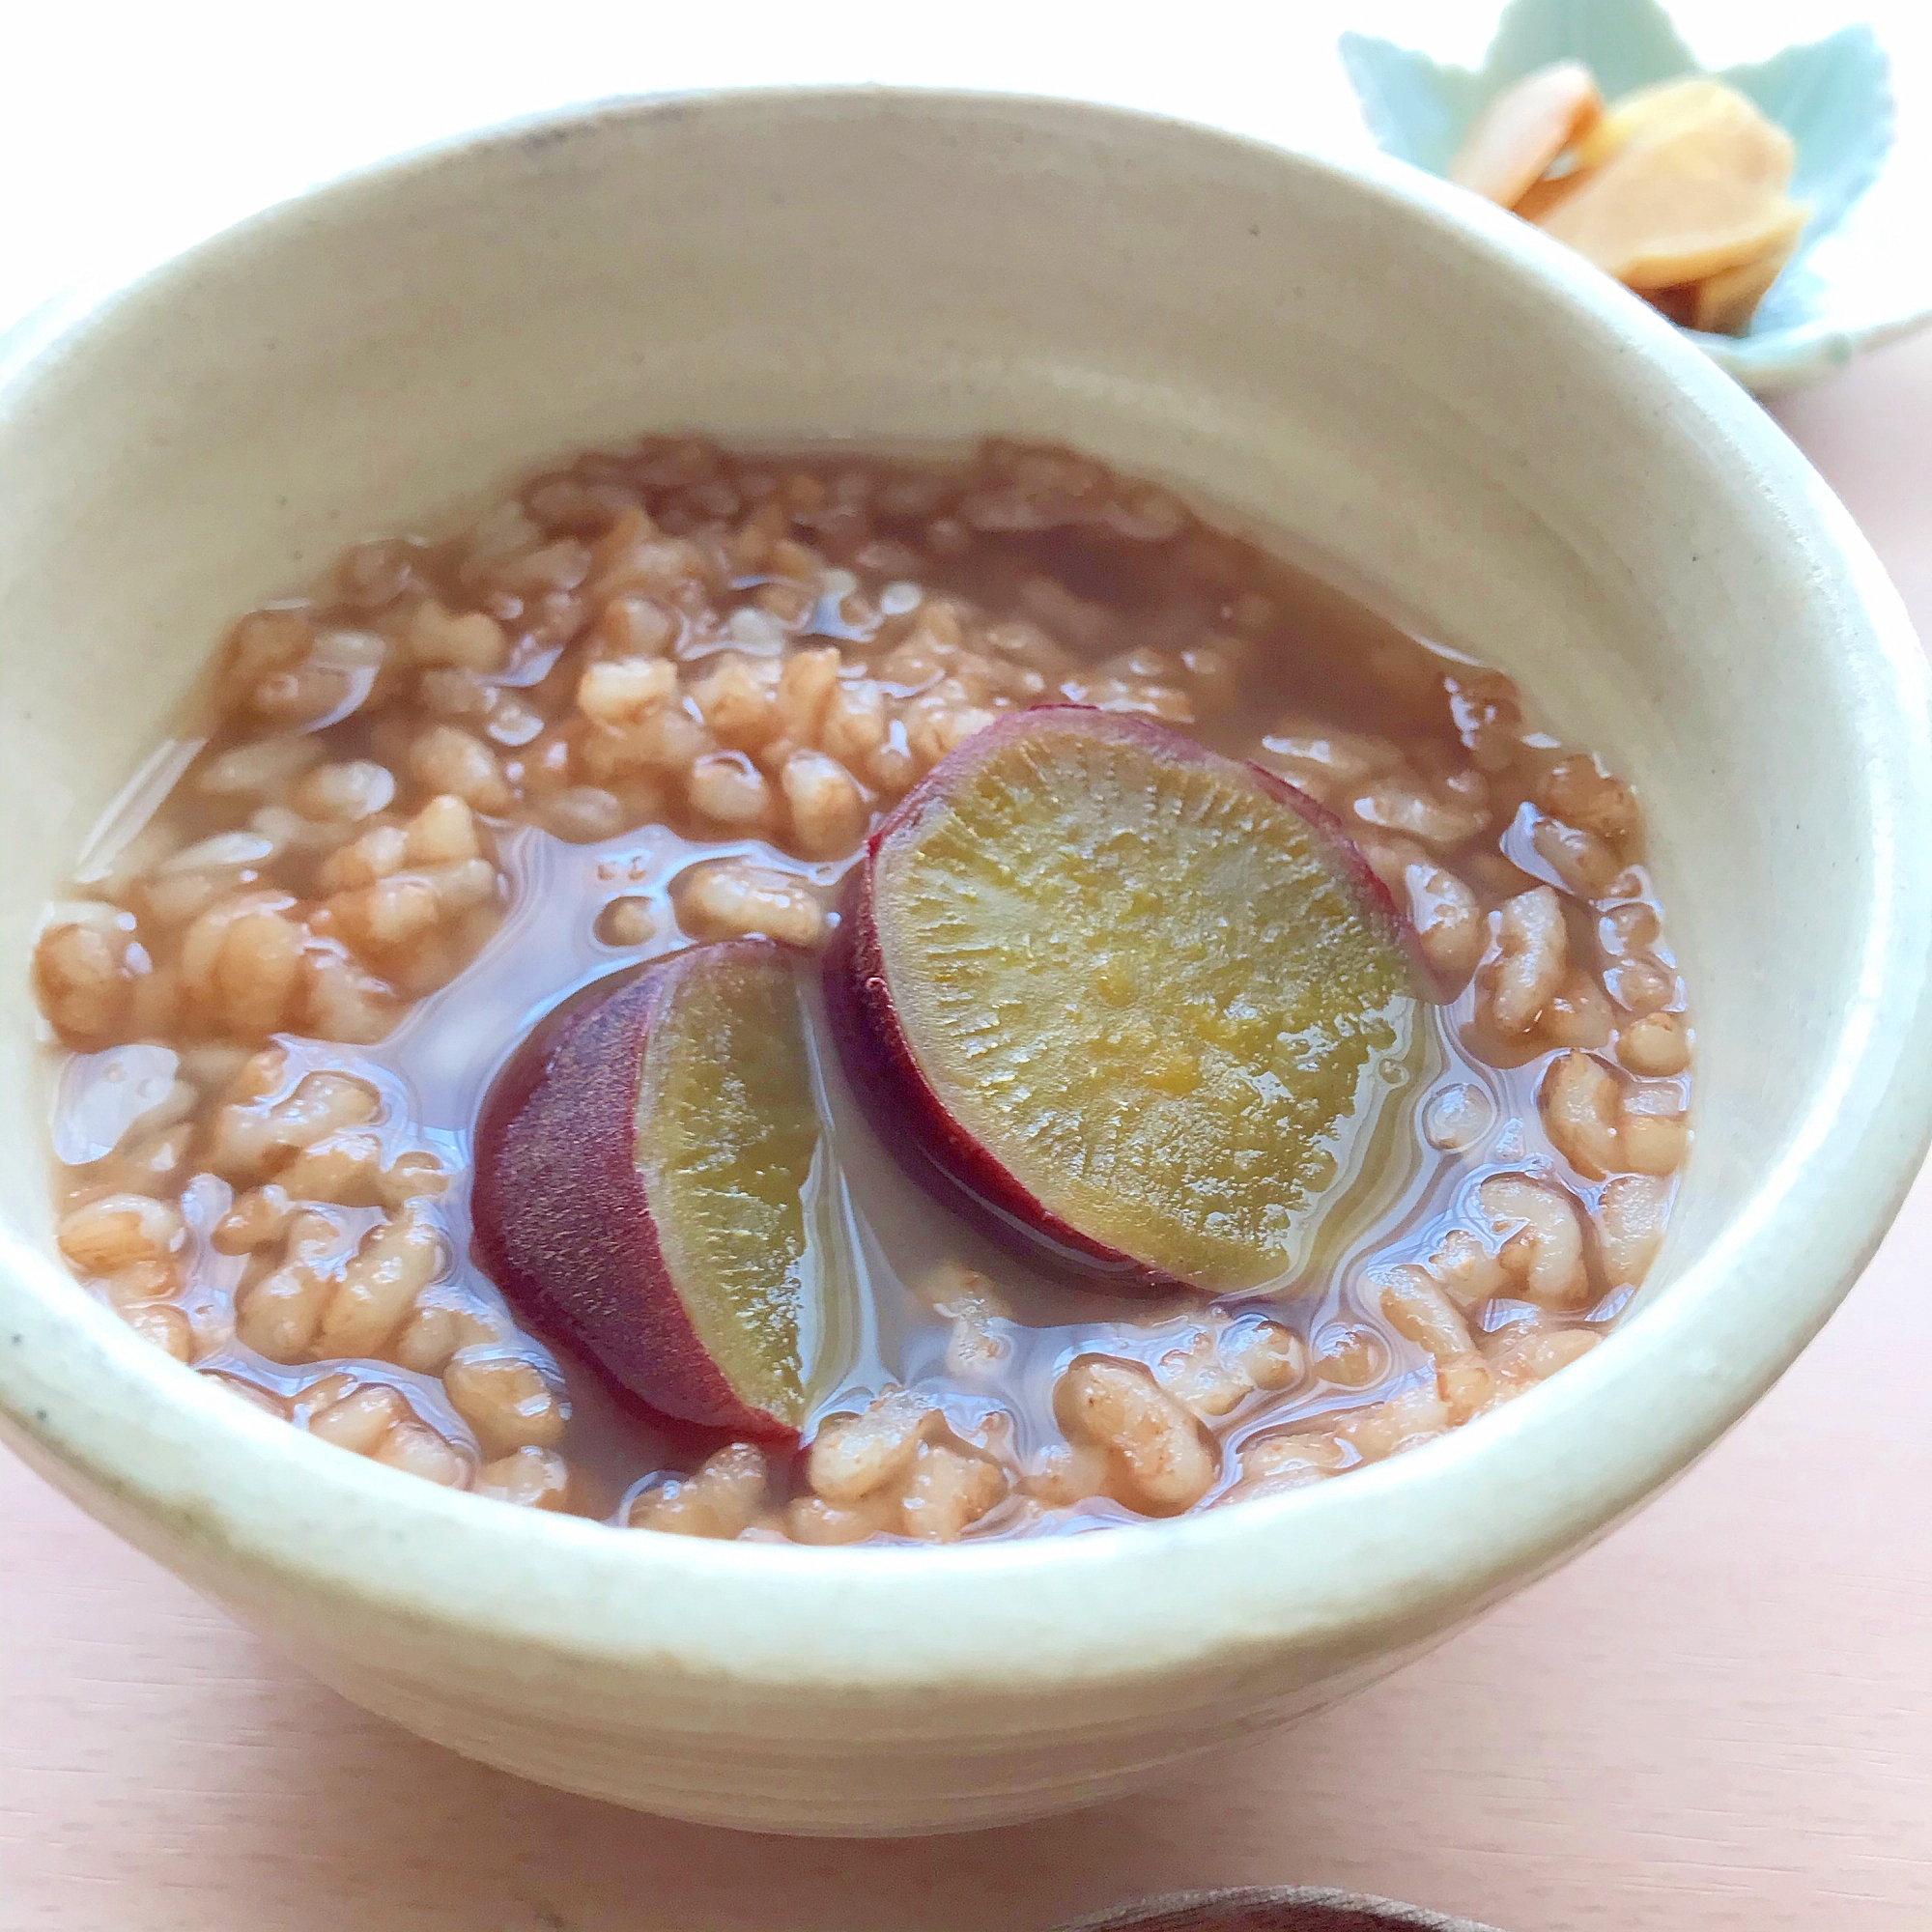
[
  {"x": 1417, "y": 425},
  {"x": 1435, "y": 409}
]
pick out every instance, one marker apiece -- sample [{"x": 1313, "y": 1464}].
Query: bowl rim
[{"x": 1404, "y": 1546}]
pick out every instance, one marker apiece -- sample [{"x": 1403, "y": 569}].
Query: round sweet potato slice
[{"x": 1134, "y": 999}]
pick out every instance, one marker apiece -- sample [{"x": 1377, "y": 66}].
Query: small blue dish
[{"x": 1842, "y": 291}]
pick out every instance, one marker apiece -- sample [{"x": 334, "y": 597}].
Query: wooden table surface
[{"x": 1717, "y": 1720}]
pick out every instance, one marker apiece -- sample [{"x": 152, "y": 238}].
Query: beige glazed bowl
[{"x": 1434, "y": 404}]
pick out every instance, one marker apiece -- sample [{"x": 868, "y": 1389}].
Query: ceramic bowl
[
  {"x": 1421, "y": 397},
  {"x": 1851, "y": 286}
]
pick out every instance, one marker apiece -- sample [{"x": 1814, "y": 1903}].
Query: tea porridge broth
[{"x": 658, "y": 697}]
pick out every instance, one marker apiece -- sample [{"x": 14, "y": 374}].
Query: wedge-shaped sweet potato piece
[
  {"x": 638, "y": 1185},
  {"x": 1131, "y": 997}
]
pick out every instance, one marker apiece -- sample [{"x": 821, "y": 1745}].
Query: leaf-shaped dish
[{"x": 1846, "y": 289}]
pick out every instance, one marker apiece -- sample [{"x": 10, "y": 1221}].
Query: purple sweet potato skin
[
  {"x": 883, "y": 1066},
  {"x": 562, "y": 1221}
]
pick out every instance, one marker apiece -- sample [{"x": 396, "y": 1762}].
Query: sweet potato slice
[
  {"x": 639, "y": 1186},
  {"x": 1132, "y": 998}
]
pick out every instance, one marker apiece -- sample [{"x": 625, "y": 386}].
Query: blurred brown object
[{"x": 1267, "y": 1907}]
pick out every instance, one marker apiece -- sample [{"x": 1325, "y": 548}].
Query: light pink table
[{"x": 1721, "y": 1718}]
